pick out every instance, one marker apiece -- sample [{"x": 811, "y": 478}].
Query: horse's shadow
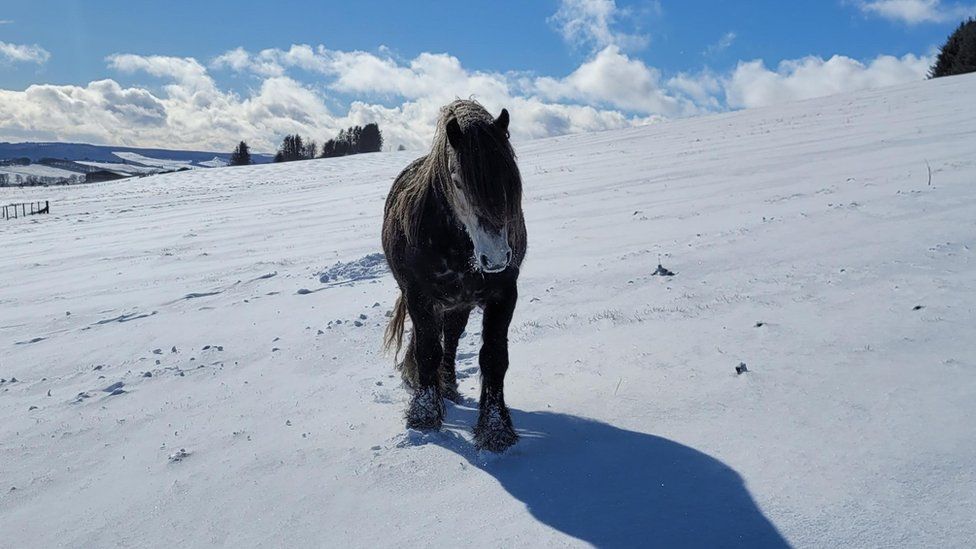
[{"x": 617, "y": 488}]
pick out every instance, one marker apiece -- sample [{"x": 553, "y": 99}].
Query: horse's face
[{"x": 480, "y": 190}]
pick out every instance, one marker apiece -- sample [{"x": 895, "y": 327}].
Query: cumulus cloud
[
  {"x": 22, "y": 53},
  {"x": 753, "y": 85},
  {"x": 916, "y": 11},
  {"x": 190, "y": 110},
  {"x": 610, "y": 89},
  {"x": 612, "y": 78},
  {"x": 594, "y": 24}
]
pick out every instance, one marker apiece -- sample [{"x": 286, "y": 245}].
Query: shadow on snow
[{"x": 617, "y": 488}]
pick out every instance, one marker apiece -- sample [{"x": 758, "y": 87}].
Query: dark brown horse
[{"x": 454, "y": 238}]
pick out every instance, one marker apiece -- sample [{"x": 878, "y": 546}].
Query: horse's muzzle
[{"x": 494, "y": 264}]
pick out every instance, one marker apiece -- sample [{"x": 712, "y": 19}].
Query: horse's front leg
[
  {"x": 494, "y": 431},
  {"x": 426, "y": 410}
]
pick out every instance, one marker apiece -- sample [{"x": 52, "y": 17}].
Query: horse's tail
[{"x": 394, "y": 330}]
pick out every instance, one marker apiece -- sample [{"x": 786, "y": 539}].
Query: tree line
[
  {"x": 958, "y": 54},
  {"x": 353, "y": 140}
]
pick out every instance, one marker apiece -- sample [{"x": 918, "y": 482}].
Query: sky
[{"x": 204, "y": 75}]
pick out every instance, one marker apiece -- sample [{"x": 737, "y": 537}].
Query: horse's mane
[{"x": 487, "y": 164}]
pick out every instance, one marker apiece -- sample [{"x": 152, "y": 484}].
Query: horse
[{"x": 454, "y": 238}]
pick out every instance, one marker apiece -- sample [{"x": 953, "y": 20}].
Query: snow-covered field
[
  {"x": 197, "y": 354},
  {"x": 154, "y": 162}
]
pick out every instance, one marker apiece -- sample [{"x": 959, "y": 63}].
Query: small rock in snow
[
  {"x": 662, "y": 271},
  {"x": 179, "y": 456},
  {"x": 741, "y": 368},
  {"x": 918, "y": 307}
]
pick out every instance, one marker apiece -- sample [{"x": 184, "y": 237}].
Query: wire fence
[{"x": 23, "y": 209}]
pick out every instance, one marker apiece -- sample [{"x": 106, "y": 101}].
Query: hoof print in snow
[
  {"x": 760, "y": 324},
  {"x": 662, "y": 271},
  {"x": 918, "y": 307},
  {"x": 741, "y": 368},
  {"x": 179, "y": 456},
  {"x": 147, "y": 374}
]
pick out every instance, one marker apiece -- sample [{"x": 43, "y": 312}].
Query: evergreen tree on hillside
[
  {"x": 354, "y": 140},
  {"x": 958, "y": 54},
  {"x": 293, "y": 147},
  {"x": 241, "y": 155},
  {"x": 370, "y": 139}
]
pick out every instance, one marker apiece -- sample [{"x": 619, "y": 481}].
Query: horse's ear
[
  {"x": 502, "y": 121},
  {"x": 454, "y": 134}
]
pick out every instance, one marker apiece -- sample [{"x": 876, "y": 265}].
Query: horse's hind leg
[
  {"x": 454, "y": 324},
  {"x": 408, "y": 366},
  {"x": 426, "y": 410},
  {"x": 494, "y": 431}
]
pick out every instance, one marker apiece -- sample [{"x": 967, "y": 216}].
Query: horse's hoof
[
  {"x": 494, "y": 432},
  {"x": 426, "y": 411}
]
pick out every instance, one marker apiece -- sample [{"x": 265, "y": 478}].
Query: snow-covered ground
[
  {"x": 197, "y": 354},
  {"x": 154, "y": 162},
  {"x": 120, "y": 167},
  {"x": 38, "y": 170}
]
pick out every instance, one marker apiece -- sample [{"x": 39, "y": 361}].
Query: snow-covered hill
[{"x": 197, "y": 354}]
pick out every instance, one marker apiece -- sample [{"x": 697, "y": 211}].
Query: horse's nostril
[{"x": 484, "y": 260}]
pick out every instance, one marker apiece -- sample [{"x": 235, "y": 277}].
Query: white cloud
[
  {"x": 594, "y": 24},
  {"x": 916, "y": 11},
  {"x": 22, "y": 53},
  {"x": 723, "y": 44},
  {"x": 614, "y": 79},
  {"x": 5, "y": 22},
  {"x": 191, "y": 111},
  {"x": 753, "y": 85},
  {"x": 609, "y": 90}
]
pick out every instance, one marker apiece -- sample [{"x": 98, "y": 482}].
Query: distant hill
[{"x": 105, "y": 153}]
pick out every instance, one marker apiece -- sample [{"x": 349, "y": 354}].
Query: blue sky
[{"x": 555, "y": 59}]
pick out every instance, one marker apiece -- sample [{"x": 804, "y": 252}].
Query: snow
[
  {"x": 120, "y": 167},
  {"x": 154, "y": 162},
  {"x": 38, "y": 170},
  {"x": 215, "y": 162},
  {"x": 176, "y": 387}
]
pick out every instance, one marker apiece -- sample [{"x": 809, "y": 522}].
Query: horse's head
[{"x": 485, "y": 188}]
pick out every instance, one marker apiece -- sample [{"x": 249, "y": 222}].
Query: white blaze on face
[{"x": 491, "y": 250}]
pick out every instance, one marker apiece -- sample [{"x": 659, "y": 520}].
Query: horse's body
[{"x": 454, "y": 237}]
